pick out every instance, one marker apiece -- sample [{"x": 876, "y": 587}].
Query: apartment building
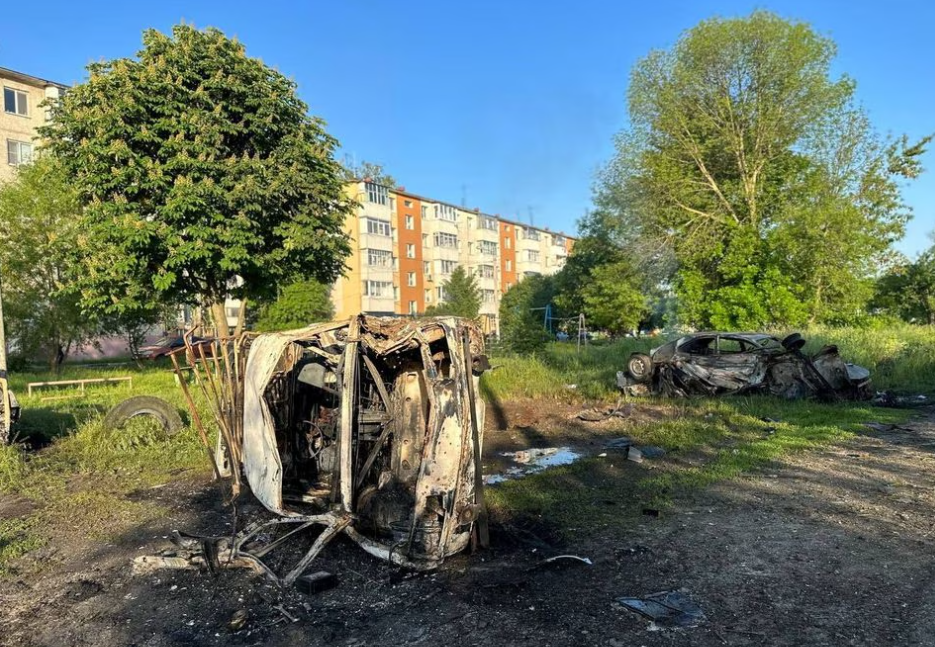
[
  {"x": 22, "y": 114},
  {"x": 405, "y": 247}
]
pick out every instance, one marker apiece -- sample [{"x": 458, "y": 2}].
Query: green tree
[
  {"x": 613, "y": 299},
  {"x": 297, "y": 305},
  {"x": 908, "y": 290},
  {"x": 758, "y": 173},
  {"x": 462, "y": 297},
  {"x": 522, "y": 327},
  {"x": 372, "y": 172},
  {"x": 38, "y": 227},
  {"x": 201, "y": 175}
]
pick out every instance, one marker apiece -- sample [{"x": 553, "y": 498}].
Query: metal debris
[{"x": 668, "y": 609}]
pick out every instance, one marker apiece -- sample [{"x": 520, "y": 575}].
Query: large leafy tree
[
  {"x": 756, "y": 171},
  {"x": 462, "y": 296},
  {"x": 907, "y": 290},
  {"x": 298, "y": 305},
  {"x": 201, "y": 174},
  {"x": 613, "y": 299},
  {"x": 38, "y": 227},
  {"x": 522, "y": 314}
]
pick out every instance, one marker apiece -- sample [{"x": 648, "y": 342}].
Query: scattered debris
[
  {"x": 890, "y": 399},
  {"x": 145, "y": 405},
  {"x": 651, "y": 451},
  {"x": 316, "y": 582},
  {"x": 583, "y": 560},
  {"x": 717, "y": 363},
  {"x": 634, "y": 454},
  {"x": 619, "y": 443},
  {"x": 668, "y": 609},
  {"x": 599, "y": 415},
  {"x": 651, "y": 512}
]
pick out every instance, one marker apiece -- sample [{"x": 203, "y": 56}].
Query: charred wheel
[{"x": 640, "y": 367}]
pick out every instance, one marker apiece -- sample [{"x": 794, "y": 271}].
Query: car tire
[
  {"x": 640, "y": 367},
  {"x": 793, "y": 342},
  {"x": 145, "y": 405}
]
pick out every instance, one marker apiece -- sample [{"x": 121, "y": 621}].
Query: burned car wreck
[
  {"x": 716, "y": 363},
  {"x": 370, "y": 428}
]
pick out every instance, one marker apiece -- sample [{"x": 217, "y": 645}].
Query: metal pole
[{"x": 4, "y": 384}]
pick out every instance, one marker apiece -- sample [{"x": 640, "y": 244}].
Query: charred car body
[
  {"x": 369, "y": 427},
  {"x": 715, "y": 363}
]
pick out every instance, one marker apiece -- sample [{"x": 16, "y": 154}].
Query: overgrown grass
[
  {"x": 901, "y": 359},
  {"x": 80, "y": 477}
]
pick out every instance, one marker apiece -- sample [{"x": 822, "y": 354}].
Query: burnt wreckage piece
[
  {"x": 371, "y": 428},
  {"x": 717, "y": 363}
]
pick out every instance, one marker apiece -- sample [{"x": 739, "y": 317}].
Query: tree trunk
[
  {"x": 219, "y": 318},
  {"x": 241, "y": 318}
]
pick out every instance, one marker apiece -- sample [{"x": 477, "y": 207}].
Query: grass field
[{"x": 81, "y": 473}]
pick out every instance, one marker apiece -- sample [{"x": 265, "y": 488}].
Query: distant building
[
  {"x": 22, "y": 114},
  {"x": 405, "y": 246}
]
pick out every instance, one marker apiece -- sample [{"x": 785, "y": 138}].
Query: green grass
[
  {"x": 80, "y": 479},
  {"x": 712, "y": 440}
]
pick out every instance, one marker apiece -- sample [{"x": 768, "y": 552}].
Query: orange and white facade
[{"x": 405, "y": 247}]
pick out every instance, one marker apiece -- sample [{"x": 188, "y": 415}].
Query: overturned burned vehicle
[
  {"x": 371, "y": 428},
  {"x": 715, "y": 363}
]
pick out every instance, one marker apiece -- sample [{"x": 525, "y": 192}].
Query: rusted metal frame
[
  {"x": 199, "y": 426},
  {"x": 223, "y": 420},
  {"x": 387, "y": 430},
  {"x": 480, "y": 523},
  {"x": 449, "y": 523},
  {"x": 345, "y": 433},
  {"x": 377, "y": 380},
  {"x": 388, "y": 553},
  {"x": 329, "y": 533}
]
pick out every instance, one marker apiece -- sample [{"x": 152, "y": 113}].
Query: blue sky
[{"x": 510, "y": 105}]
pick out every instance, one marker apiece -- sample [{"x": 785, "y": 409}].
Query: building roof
[
  {"x": 399, "y": 190},
  {"x": 28, "y": 79}
]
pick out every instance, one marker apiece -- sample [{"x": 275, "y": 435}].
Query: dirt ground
[{"x": 830, "y": 547}]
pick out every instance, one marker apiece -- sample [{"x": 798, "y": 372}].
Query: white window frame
[
  {"x": 378, "y": 289},
  {"x": 379, "y": 258},
  {"x": 410, "y": 222},
  {"x": 411, "y": 279},
  {"x": 444, "y": 239},
  {"x": 18, "y": 152},
  {"x": 413, "y": 307},
  {"x": 378, "y": 227},
  {"x": 377, "y": 193},
  {"x": 532, "y": 256},
  {"x": 485, "y": 271},
  {"x": 447, "y": 267},
  {"x": 410, "y": 250},
  {"x": 487, "y": 247},
  {"x": 20, "y": 98},
  {"x": 509, "y": 265},
  {"x": 484, "y": 222}
]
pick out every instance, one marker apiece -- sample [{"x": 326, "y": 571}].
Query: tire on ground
[
  {"x": 145, "y": 405},
  {"x": 640, "y": 367}
]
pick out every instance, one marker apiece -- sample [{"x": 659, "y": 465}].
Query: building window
[
  {"x": 509, "y": 285},
  {"x": 426, "y": 267},
  {"x": 509, "y": 265},
  {"x": 528, "y": 274},
  {"x": 378, "y": 288},
  {"x": 410, "y": 222},
  {"x": 15, "y": 102},
  {"x": 508, "y": 243},
  {"x": 531, "y": 234},
  {"x": 485, "y": 271},
  {"x": 446, "y": 212},
  {"x": 379, "y": 258},
  {"x": 483, "y": 222},
  {"x": 377, "y": 194},
  {"x": 425, "y": 211},
  {"x": 440, "y": 292},
  {"x": 447, "y": 267},
  {"x": 558, "y": 241},
  {"x": 411, "y": 279},
  {"x": 428, "y": 295},
  {"x": 378, "y": 227},
  {"x": 532, "y": 256},
  {"x": 410, "y": 250},
  {"x": 487, "y": 296},
  {"x": 413, "y": 308},
  {"x": 233, "y": 312},
  {"x": 18, "y": 152},
  {"x": 487, "y": 247},
  {"x": 446, "y": 240},
  {"x": 408, "y": 203}
]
